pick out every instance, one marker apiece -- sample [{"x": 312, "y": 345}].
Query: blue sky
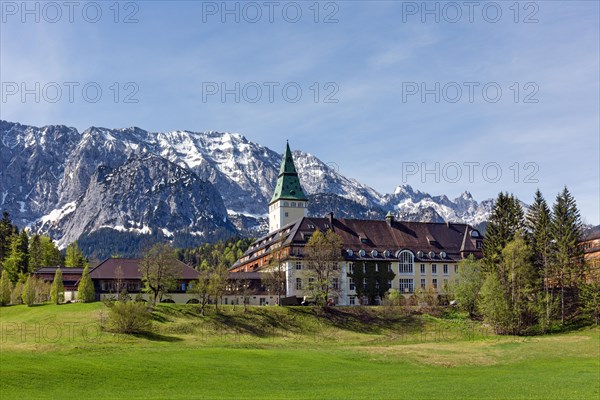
[{"x": 369, "y": 56}]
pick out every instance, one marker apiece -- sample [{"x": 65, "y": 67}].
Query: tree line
[{"x": 532, "y": 276}]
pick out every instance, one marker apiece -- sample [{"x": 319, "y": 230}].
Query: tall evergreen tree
[
  {"x": 4, "y": 288},
  {"x": 36, "y": 256},
  {"x": 538, "y": 221},
  {"x": 74, "y": 257},
  {"x": 566, "y": 230},
  {"x": 85, "y": 289},
  {"x": 57, "y": 291},
  {"x": 51, "y": 255},
  {"x": 6, "y": 232},
  {"x": 506, "y": 220},
  {"x": 17, "y": 262}
]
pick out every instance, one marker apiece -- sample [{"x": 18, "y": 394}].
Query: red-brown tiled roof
[{"x": 456, "y": 240}]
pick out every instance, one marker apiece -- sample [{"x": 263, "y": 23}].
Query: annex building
[{"x": 420, "y": 255}]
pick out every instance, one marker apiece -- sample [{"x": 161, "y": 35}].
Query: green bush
[{"x": 129, "y": 317}]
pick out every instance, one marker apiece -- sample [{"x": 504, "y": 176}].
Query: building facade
[{"x": 416, "y": 255}]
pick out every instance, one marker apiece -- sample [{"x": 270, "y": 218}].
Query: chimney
[
  {"x": 389, "y": 218},
  {"x": 330, "y": 216}
]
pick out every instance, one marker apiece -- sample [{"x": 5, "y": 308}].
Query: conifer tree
[
  {"x": 540, "y": 238},
  {"x": 6, "y": 232},
  {"x": 74, "y": 256},
  {"x": 85, "y": 289},
  {"x": 51, "y": 255},
  {"x": 35, "y": 253},
  {"x": 17, "y": 262},
  {"x": 4, "y": 288},
  {"x": 57, "y": 291},
  {"x": 566, "y": 230},
  {"x": 506, "y": 220}
]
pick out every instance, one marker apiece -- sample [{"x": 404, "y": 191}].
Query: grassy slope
[{"x": 286, "y": 353}]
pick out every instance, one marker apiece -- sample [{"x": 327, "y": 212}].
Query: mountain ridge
[{"x": 53, "y": 179}]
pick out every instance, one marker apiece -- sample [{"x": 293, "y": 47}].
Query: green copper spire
[{"x": 288, "y": 184}]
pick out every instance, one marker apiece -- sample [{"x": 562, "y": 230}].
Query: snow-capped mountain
[
  {"x": 66, "y": 183},
  {"x": 410, "y": 204}
]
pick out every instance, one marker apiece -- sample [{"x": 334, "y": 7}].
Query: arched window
[{"x": 406, "y": 260}]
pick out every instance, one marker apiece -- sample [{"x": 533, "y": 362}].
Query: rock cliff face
[{"x": 68, "y": 184}]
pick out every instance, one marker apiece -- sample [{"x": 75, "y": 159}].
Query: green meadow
[{"x": 286, "y": 353}]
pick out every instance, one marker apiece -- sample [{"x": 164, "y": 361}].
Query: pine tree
[
  {"x": 51, "y": 255},
  {"x": 506, "y": 220},
  {"x": 57, "y": 291},
  {"x": 540, "y": 238},
  {"x": 85, "y": 289},
  {"x": 6, "y": 232},
  {"x": 74, "y": 257},
  {"x": 566, "y": 230},
  {"x": 35, "y": 253},
  {"x": 17, "y": 262},
  {"x": 4, "y": 288}
]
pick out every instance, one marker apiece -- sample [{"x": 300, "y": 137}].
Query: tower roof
[{"x": 288, "y": 184}]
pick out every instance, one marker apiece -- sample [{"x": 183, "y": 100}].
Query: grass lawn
[{"x": 287, "y": 353}]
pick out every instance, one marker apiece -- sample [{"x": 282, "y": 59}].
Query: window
[
  {"x": 406, "y": 286},
  {"x": 479, "y": 244},
  {"x": 286, "y": 204},
  {"x": 406, "y": 262},
  {"x": 263, "y": 301},
  {"x": 298, "y": 283},
  {"x": 389, "y": 267},
  {"x": 350, "y": 268},
  {"x": 456, "y": 268},
  {"x": 293, "y": 204},
  {"x": 311, "y": 281},
  {"x": 422, "y": 269},
  {"x": 433, "y": 269},
  {"x": 298, "y": 265},
  {"x": 376, "y": 267},
  {"x": 434, "y": 282},
  {"x": 351, "y": 284},
  {"x": 335, "y": 283},
  {"x": 445, "y": 283},
  {"x": 422, "y": 283},
  {"x": 287, "y": 214},
  {"x": 445, "y": 267},
  {"x": 352, "y": 300},
  {"x": 389, "y": 284}
]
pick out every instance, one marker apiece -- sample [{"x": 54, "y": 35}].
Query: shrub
[
  {"x": 15, "y": 295},
  {"x": 129, "y": 317},
  {"x": 28, "y": 294},
  {"x": 4, "y": 289}
]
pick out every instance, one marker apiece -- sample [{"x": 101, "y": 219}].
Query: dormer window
[
  {"x": 474, "y": 233},
  {"x": 293, "y": 204}
]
